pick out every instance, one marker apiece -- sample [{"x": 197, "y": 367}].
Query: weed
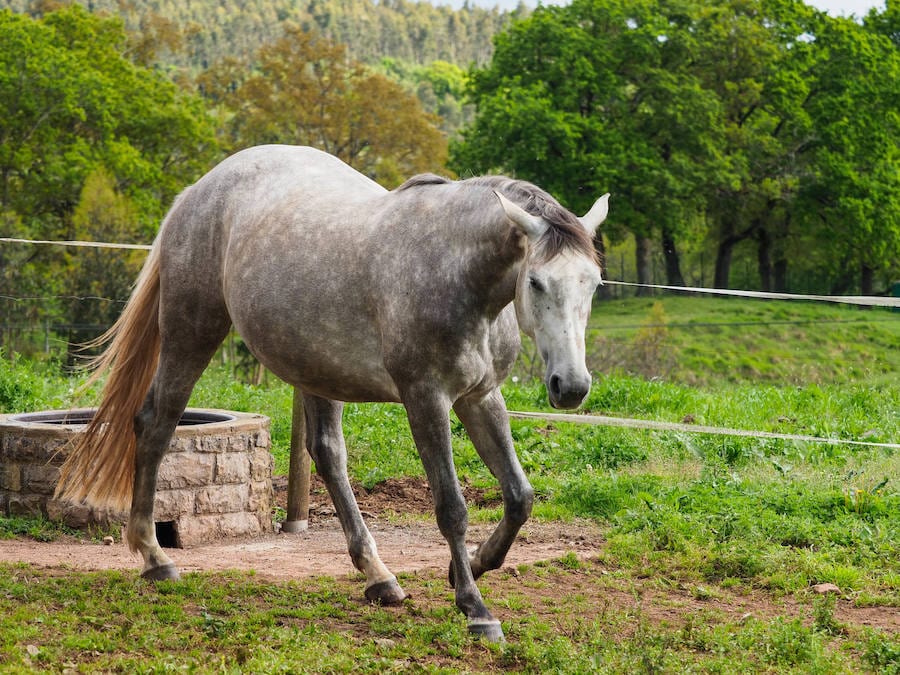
[
  {"x": 569, "y": 561},
  {"x": 213, "y": 626},
  {"x": 823, "y": 615},
  {"x": 702, "y": 593},
  {"x": 789, "y": 643},
  {"x": 865, "y": 501},
  {"x": 37, "y": 528},
  {"x": 882, "y": 652}
]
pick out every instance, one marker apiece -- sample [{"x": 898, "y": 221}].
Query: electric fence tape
[
  {"x": 602, "y": 420},
  {"x": 81, "y": 244},
  {"x": 868, "y": 300},
  {"x": 878, "y": 301}
]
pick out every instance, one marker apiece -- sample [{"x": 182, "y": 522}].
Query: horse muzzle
[{"x": 568, "y": 392}]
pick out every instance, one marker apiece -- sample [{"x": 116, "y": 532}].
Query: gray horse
[{"x": 348, "y": 292}]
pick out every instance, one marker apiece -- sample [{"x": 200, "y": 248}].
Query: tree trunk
[
  {"x": 673, "y": 264},
  {"x": 844, "y": 279},
  {"x": 643, "y": 258},
  {"x": 764, "y": 258},
  {"x": 779, "y": 246},
  {"x": 781, "y": 268},
  {"x": 723, "y": 262},
  {"x": 867, "y": 280}
]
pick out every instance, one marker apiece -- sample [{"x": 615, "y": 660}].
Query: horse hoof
[
  {"x": 385, "y": 593},
  {"x": 162, "y": 573},
  {"x": 486, "y": 629}
]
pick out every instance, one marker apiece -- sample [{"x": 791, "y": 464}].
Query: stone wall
[{"x": 215, "y": 481}]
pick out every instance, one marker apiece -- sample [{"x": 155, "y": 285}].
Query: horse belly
[
  {"x": 343, "y": 381},
  {"x": 342, "y": 364}
]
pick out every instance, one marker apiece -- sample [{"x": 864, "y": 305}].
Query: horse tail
[{"x": 99, "y": 468}]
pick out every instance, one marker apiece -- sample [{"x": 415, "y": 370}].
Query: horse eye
[{"x": 536, "y": 284}]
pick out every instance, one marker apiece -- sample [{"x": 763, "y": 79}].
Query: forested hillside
[{"x": 414, "y": 32}]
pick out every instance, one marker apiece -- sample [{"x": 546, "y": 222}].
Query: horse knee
[
  {"x": 518, "y": 504},
  {"x": 332, "y": 471},
  {"x": 452, "y": 518}
]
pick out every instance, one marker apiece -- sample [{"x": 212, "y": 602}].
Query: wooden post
[{"x": 297, "y": 519}]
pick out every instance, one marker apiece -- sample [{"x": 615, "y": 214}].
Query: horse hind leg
[
  {"x": 325, "y": 440},
  {"x": 181, "y": 363}
]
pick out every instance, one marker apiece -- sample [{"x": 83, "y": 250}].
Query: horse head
[{"x": 555, "y": 287}]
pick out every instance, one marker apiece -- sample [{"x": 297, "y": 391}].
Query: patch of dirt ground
[
  {"x": 399, "y": 515},
  {"x": 406, "y": 542}
]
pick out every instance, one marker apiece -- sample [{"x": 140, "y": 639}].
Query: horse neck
[
  {"x": 484, "y": 256},
  {"x": 496, "y": 268}
]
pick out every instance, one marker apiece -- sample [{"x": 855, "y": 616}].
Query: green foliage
[
  {"x": 719, "y": 127},
  {"x": 439, "y": 85},
  {"x": 19, "y": 387},
  {"x": 823, "y": 615},
  {"x": 74, "y": 104},
  {"x": 417, "y": 43},
  {"x": 193, "y": 35},
  {"x": 883, "y": 653},
  {"x": 302, "y": 89},
  {"x": 93, "y": 145},
  {"x": 38, "y": 529},
  {"x": 27, "y": 386},
  {"x": 103, "y": 213}
]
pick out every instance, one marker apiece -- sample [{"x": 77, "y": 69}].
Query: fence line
[
  {"x": 865, "y": 300},
  {"x": 872, "y": 301},
  {"x": 603, "y": 420},
  {"x": 82, "y": 244},
  {"x": 47, "y": 298}
]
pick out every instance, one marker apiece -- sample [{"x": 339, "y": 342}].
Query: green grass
[
  {"x": 607, "y": 623},
  {"x": 710, "y": 519},
  {"x": 701, "y": 341}
]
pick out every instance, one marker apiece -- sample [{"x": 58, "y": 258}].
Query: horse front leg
[
  {"x": 325, "y": 440},
  {"x": 430, "y": 424},
  {"x": 487, "y": 424}
]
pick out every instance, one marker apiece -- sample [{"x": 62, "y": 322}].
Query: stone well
[{"x": 214, "y": 482}]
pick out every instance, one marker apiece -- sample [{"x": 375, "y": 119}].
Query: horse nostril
[{"x": 554, "y": 385}]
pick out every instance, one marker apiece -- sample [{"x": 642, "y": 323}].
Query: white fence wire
[{"x": 867, "y": 301}]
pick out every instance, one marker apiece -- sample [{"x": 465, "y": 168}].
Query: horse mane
[
  {"x": 565, "y": 232},
  {"x": 423, "y": 179}
]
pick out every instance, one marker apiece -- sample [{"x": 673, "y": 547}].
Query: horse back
[{"x": 335, "y": 284}]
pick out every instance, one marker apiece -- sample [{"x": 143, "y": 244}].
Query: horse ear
[
  {"x": 532, "y": 226},
  {"x": 592, "y": 219}
]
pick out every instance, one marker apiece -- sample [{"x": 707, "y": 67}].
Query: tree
[
  {"x": 73, "y": 106},
  {"x": 732, "y": 114},
  {"x": 70, "y": 101},
  {"x": 599, "y": 96},
  {"x": 850, "y": 201},
  {"x": 102, "y": 214},
  {"x": 303, "y": 90}
]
